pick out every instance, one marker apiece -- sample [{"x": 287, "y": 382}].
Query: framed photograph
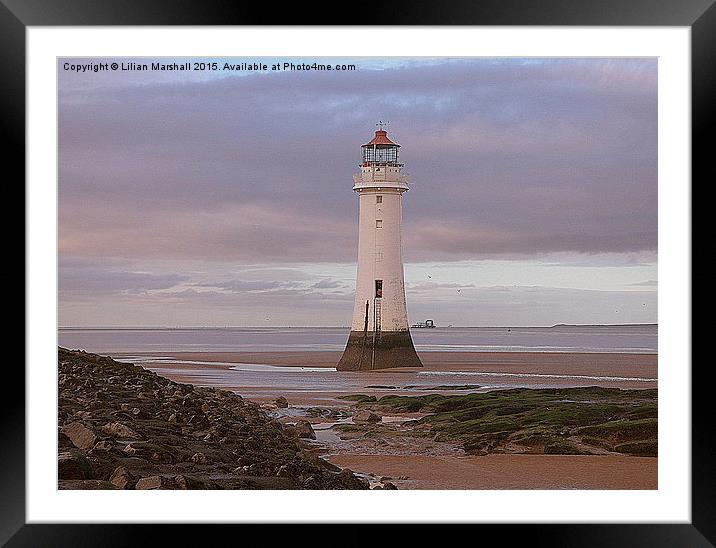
[{"x": 271, "y": 269}]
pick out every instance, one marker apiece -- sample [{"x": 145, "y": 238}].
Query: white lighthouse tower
[{"x": 380, "y": 334}]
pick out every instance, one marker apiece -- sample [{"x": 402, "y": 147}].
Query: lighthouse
[{"x": 380, "y": 334}]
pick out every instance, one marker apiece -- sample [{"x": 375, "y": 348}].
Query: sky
[{"x": 223, "y": 198}]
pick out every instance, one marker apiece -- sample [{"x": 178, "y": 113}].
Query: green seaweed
[
  {"x": 594, "y": 419},
  {"x": 358, "y": 398}
]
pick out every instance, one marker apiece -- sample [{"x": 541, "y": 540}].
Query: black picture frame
[{"x": 699, "y": 15}]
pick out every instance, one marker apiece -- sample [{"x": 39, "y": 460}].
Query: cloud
[
  {"x": 432, "y": 286},
  {"x": 486, "y": 306},
  {"x": 239, "y": 286},
  {"x": 241, "y": 233},
  {"x": 98, "y": 280},
  {"x": 646, "y": 283},
  {"x": 506, "y": 157},
  {"x": 203, "y": 199},
  {"x": 327, "y": 283}
]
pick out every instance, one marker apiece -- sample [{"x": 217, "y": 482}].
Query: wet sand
[
  {"x": 573, "y": 363},
  {"x": 508, "y": 471},
  {"x": 322, "y": 385}
]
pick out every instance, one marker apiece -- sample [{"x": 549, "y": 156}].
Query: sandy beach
[
  {"x": 308, "y": 380},
  {"x": 507, "y": 471}
]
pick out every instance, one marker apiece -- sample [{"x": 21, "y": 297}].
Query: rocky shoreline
[{"x": 121, "y": 426}]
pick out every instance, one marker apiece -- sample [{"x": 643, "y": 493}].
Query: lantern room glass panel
[{"x": 380, "y": 154}]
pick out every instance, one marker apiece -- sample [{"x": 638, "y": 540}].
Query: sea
[
  {"x": 561, "y": 338},
  {"x": 146, "y": 346}
]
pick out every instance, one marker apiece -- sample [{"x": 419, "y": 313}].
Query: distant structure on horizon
[
  {"x": 380, "y": 334},
  {"x": 429, "y": 324}
]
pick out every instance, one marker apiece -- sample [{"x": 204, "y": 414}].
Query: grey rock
[{"x": 305, "y": 430}]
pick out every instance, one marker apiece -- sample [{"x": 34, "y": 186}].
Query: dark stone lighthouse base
[{"x": 391, "y": 349}]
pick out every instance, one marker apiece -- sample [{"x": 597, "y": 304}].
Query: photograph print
[{"x": 357, "y": 273}]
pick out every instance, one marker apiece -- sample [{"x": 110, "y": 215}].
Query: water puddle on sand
[
  {"x": 234, "y": 366},
  {"x": 532, "y": 376},
  {"x": 327, "y": 435},
  {"x": 328, "y": 439}
]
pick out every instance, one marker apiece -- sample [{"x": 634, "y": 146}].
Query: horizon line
[{"x": 348, "y": 327}]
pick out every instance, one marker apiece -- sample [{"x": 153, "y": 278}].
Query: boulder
[
  {"x": 200, "y": 458},
  {"x": 152, "y": 482},
  {"x": 80, "y": 436},
  {"x": 281, "y": 402},
  {"x": 152, "y": 452},
  {"x": 367, "y": 416},
  {"x": 119, "y": 430},
  {"x": 305, "y": 430},
  {"x": 121, "y": 478}
]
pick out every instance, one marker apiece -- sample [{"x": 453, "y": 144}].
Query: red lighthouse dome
[{"x": 381, "y": 138}]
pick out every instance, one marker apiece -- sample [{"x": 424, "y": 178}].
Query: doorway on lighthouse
[{"x": 377, "y": 311}]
